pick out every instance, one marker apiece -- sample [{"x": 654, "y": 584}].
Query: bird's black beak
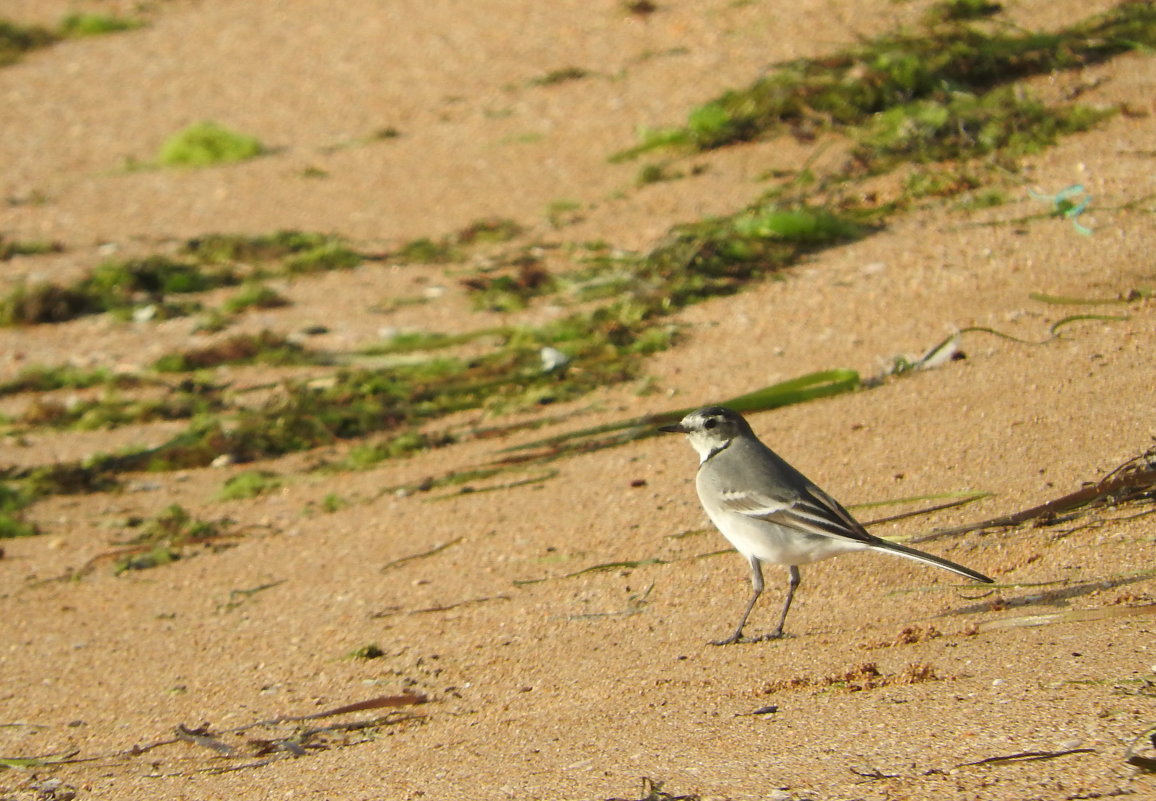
[{"x": 672, "y": 429}]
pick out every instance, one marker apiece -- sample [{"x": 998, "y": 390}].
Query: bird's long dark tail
[{"x": 928, "y": 559}]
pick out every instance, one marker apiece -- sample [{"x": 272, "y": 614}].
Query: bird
[{"x": 770, "y": 512}]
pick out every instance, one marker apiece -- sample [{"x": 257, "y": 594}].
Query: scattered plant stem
[
  {"x": 1131, "y": 481},
  {"x": 1025, "y": 756},
  {"x": 431, "y": 552}
]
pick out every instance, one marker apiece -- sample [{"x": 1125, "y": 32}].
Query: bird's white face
[{"x": 709, "y": 429}]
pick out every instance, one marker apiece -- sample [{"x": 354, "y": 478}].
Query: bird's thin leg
[
  {"x": 792, "y": 585},
  {"x": 757, "y": 587}
]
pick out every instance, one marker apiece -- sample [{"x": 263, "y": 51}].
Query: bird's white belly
[{"x": 770, "y": 542}]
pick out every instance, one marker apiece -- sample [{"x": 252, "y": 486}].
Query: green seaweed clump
[
  {"x": 28, "y": 304},
  {"x": 509, "y": 292},
  {"x": 112, "y": 286},
  {"x": 263, "y": 348},
  {"x": 958, "y": 10},
  {"x": 76, "y": 25},
  {"x": 228, "y": 248},
  {"x": 330, "y": 256},
  {"x": 249, "y": 484},
  {"x": 9, "y": 248},
  {"x": 847, "y": 88},
  {"x": 424, "y": 250},
  {"x": 112, "y": 411},
  {"x": 716, "y": 257},
  {"x": 371, "y": 651},
  {"x": 488, "y": 230},
  {"x": 1004, "y": 120},
  {"x": 117, "y": 284},
  {"x": 300, "y": 252},
  {"x": 12, "y": 523},
  {"x": 406, "y": 443},
  {"x": 561, "y": 75},
  {"x": 16, "y": 40},
  {"x": 254, "y": 295},
  {"x": 165, "y": 539},
  {"x": 41, "y": 378},
  {"x": 207, "y": 143}
]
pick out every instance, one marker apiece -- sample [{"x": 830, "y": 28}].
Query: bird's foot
[
  {"x": 729, "y": 640},
  {"x": 738, "y": 637}
]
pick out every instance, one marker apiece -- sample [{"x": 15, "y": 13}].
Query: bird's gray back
[{"x": 748, "y": 464}]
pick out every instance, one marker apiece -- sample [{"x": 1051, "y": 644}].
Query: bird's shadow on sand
[{"x": 1053, "y": 597}]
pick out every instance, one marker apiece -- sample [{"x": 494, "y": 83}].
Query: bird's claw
[
  {"x": 739, "y": 638},
  {"x": 727, "y": 641}
]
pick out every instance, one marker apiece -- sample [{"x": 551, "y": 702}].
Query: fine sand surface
[{"x": 896, "y": 681}]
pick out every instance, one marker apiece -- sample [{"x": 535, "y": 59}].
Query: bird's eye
[{"x": 710, "y": 422}]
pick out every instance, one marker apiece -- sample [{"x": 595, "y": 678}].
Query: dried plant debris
[
  {"x": 1024, "y": 756},
  {"x": 909, "y": 635},
  {"x": 1131, "y": 483},
  {"x": 238, "y": 598},
  {"x": 560, "y": 75},
  {"x": 427, "y": 610},
  {"x": 865, "y": 676},
  {"x": 950, "y": 349},
  {"x": 510, "y": 284},
  {"x": 535, "y": 479},
  {"x": 950, "y": 500},
  {"x": 286, "y": 252},
  {"x": 454, "y": 247},
  {"x": 270, "y": 740},
  {"x": 605, "y": 567},
  {"x": 263, "y": 348},
  {"x": 174, "y": 534},
  {"x": 260, "y": 743},
  {"x": 404, "y": 560}
]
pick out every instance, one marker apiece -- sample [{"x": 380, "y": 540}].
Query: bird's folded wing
[{"x": 811, "y": 510}]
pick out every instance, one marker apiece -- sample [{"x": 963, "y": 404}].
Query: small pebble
[{"x": 553, "y": 359}]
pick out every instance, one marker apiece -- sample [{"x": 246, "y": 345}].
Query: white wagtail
[{"x": 770, "y": 512}]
